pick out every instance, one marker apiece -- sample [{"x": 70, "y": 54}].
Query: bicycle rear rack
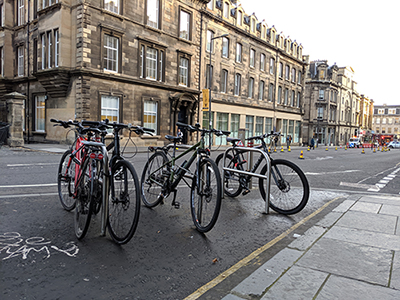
[{"x": 267, "y": 177}]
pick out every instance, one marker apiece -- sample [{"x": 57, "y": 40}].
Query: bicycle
[
  {"x": 92, "y": 186},
  {"x": 289, "y": 190},
  {"x": 161, "y": 177}
]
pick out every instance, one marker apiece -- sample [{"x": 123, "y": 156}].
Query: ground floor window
[
  {"x": 259, "y": 126},
  {"x": 297, "y": 132},
  {"x": 150, "y": 120},
  {"x": 222, "y": 124},
  {"x": 249, "y": 126},
  {"x": 235, "y": 122},
  {"x": 268, "y": 125},
  {"x": 40, "y": 113},
  {"x": 110, "y": 108},
  {"x": 291, "y": 129},
  {"x": 284, "y": 131}
]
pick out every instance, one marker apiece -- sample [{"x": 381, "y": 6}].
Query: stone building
[
  {"x": 134, "y": 61},
  {"x": 334, "y": 110},
  {"x": 386, "y": 122},
  {"x": 257, "y": 74}
]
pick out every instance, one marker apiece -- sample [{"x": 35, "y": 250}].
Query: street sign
[{"x": 206, "y": 99}]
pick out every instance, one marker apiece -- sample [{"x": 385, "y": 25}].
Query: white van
[{"x": 354, "y": 142}]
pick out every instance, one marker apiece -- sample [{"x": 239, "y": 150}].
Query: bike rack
[
  {"x": 267, "y": 177},
  {"x": 105, "y": 196}
]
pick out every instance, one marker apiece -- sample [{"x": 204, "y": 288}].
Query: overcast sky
[{"x": 362, "y": 34}]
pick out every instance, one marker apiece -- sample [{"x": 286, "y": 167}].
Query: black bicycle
[
  {"x": 161, "y": 177},
  {"x": 289, "y": 189}
]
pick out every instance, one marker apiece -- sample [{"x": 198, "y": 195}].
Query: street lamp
[{"x": 209, "y": 83}]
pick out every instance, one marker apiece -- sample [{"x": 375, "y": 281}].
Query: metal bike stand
[
  {"x": 267, "y": 177},
  {"x": 106, "y": 177}
]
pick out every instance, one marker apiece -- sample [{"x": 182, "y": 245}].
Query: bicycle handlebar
[
  {"x": 265, "y": 135},
  {"x": 197, "y": 128}
]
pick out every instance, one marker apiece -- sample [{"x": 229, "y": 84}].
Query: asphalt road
[{"x": 40, "y": 258}]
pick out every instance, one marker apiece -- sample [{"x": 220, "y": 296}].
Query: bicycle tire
[
  {"x": 84, "y": 205},
  {"x": 153, "y": 178},
  {"x": 289, "y": 191},
  {"x": 124, "y": 203},
  {"x": 205, "y": 202},
  {"x": 231, "y": 180},
  {"x": 66, "y": 181}
]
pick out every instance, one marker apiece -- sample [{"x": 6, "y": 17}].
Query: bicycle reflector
[{"x": 98, "y": 156}]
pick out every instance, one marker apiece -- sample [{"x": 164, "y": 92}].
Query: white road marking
[
  {"x": 334, "y": 172},
  {"x": 28, "y": 195},
  {"x": 35, "y": 164},
  {"x": 28, "y": 185}
]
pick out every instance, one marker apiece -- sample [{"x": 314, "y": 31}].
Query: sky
[{"x": 362, "y": 34}]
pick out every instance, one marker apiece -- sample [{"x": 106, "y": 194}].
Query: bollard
[
  {"x": 282, "y": 149},
  {"x": 301, "y": 155},
  {"x": 362, "y": 152},
  {"x": 326, "y": 149},
  {"x": 289, "y": 150},
  {"x": 374, "y": 150},
  {"x": 308, "y": 149}
]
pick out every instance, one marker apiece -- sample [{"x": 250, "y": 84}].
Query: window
[
  {"x": 183, "y": 71},
  {"x": 185, "y": 21},
  {"x": 279, "y": 99},
  {"x": 40, "y": 116},
  {"x": 239, "y": 18},
  {"x": 262, "y": 62},
  {"x": 320, "y": 113},
  {"x": 210, "y": 4},
  {"x": 225, "y": 47},
  {"x": 321, "y": 94},
  {"x": 112, "y": 5},
  {"x": 153, "y": 13},
  {"x": 111, "y": 49},
  {"x": 151, "y": 62},
  {"x": 43, "y": 40},
  {"x": 271, "y": 92},
  {"x": 392, "y": 111},
  {"x": 281, "y": 70},
  {"x": 110, "y": 108},
  {"x": 381, "y": 111},
  {"x": 1, "y": 14},
  {"x": 224, "y": 81},
  {"x": 210, "y": 41},
  {"x": 287, "y": 72},
  {"x": 222, "y": 124},
  {"x": 238, "y": 79},
  {"x": 383, "y": 120},
  {"x": 21, "y": 12},
  {"x": 253, "y": 25},
  {"x": 293, "y": 98},
  {"x": 235, "y": 120},
  {"x": 272, "y": 65},
  {"x": 298, "y": 100},
  {"x": 49, "y": 49},
  {"x": 268, "y": 125},
  {"x": 226, "y": 10},
  {"x": 238, "y": 52},
  {"x": 261, "y": 90},
  {"x": 1, "y": 61},
  {"x": 293, "y": 75},
  {"x": 251, "y": 87},
  {"x": 208, "y": 70},
  {"x": 249, "y": 126},
  {"x": 286, "y": 97},
  {"x": 259, "y": 126},
  {"x": 299, "y": 77},
  {"x": 297, "y": 132},
  {"x": 252, "y": 57},
  {"x": 150, "y": 112},
  {"x": 47, "y": 3},
  {"x": 20, "y": 65},
  {"x": 57, "y": 48}
]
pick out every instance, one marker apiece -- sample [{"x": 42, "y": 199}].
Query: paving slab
[
  {"x": 366, "y": 207},
  {"x": 297, "y": 283},
  {"x": 395, "y": 280},
  {"x": 366, "y": 238},
  {"x": 344, "y": 206},
  {"x": 368, "y": 221},
  {"x": 232, "y": 297},
  {"x": 388, "y": 209},
  {"x": 330, "y": 219},
  {"x": 381, "y": 200},
  {"x": 345, "y": 288},
  {"x": 305, "y": 241},
  {"x": 348, "y": 259},
  {"x": 264, "y": 276}
]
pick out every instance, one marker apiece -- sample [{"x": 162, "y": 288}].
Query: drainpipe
[
  {"x": 28, "y": 65},
  {"x": 200, "y": 68}
]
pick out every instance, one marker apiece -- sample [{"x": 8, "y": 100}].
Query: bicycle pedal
[
  {"x": 177, "y": 205},
  {"x": 245, "y": 192}
]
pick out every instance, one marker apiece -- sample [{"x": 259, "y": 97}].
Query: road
[{"x": 40, "y": 258}]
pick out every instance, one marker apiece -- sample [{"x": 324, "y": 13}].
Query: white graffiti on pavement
[{"x": 12, "y": 244}]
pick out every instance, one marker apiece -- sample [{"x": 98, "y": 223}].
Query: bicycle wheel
[
  {"x": 205, "y": 200},
  {"x": 289, "y": 189},
  {"x": 231, "y": 181},
  {"x": 66, "y": 181},
  {"x": 124, "y": 202},
  {"x": 83, "y": 209},
  {"x": 153, "y": 178}
]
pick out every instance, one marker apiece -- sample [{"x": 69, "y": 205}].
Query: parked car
[
  {"x": 394, "y": 144},
  {"x": 354, "y": 142}
]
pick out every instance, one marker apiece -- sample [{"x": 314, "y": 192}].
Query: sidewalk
[{"x": 352, "y": 253}]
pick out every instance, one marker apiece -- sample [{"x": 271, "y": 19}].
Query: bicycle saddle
[{"x": 173, "y": 138}]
